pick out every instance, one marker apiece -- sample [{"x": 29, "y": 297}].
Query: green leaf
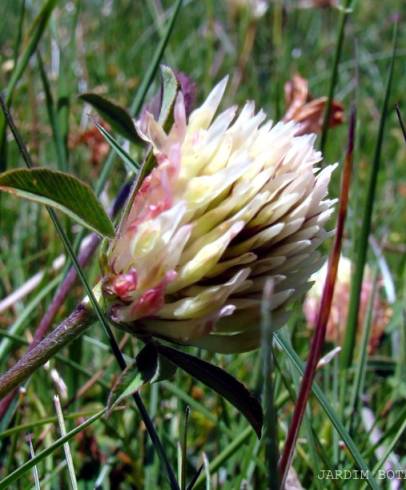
[
  {"x": 221, "y": 382},
  {"x": 141, "y": 371},
  {"x": 61, "y": 191},
  {"x": 169, "y": 91},
  {"x": 119, "y": 119},
  {"x": 165, "y": 370},
  {"x": 118, "y": 149}
]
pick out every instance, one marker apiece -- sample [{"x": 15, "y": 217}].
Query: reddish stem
[
  {"x": 52, "y": 311},
  {"x": 73, "y": 326},
  {"x": 324, "y": 311}
]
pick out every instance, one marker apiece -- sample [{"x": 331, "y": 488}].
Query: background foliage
[{"x": 106, "y": 46}]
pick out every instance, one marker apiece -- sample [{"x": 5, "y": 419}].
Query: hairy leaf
[
  {"x": 119, "y": 119},
  {"x": 61, "y": 191}
]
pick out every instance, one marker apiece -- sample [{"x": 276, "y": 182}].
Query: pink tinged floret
[
  {"x": 178, "y": 131},
  {"x": 153, "y": 299},
  {"x": 125, "y": 284},
  {"x": 154, "y": 196}
]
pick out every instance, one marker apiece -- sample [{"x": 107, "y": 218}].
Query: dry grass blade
[{"x": 66, "y": 448}]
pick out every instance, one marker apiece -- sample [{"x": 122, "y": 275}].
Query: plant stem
[
  {"x": 345, "y": 11},
  {"x": 323, "y": 313},
  {"x": 270, "y": 430},
  {"x": 64, "y": 289},
  {"x": 73, "y": 326}
]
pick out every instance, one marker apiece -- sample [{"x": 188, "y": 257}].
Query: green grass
[{"x": 109, "y": 47}]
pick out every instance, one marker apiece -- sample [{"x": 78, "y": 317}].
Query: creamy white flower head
[{"x": 232, "y": 201}]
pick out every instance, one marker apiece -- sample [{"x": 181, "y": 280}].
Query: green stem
[
  {"x": 362, "y": 246},
  {"x": 345, "y": 11},
  {"x": 270, "y": 430}
]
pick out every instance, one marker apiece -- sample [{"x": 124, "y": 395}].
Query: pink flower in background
[{"x": 339, "y": 310}]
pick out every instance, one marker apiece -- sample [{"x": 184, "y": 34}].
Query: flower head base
[{"x": 232, "y": 201}]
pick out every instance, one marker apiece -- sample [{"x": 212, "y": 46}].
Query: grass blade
[
  {"x": 152, "y": 68},
  {"x": 45, "y": 421},
  {"x": 19, "y": 37},
  {"x": 183, "y": 452},
  {"x": 34, "y": 37},
  {"x": 389, "y": 449},
  {"x": 401, "y": 123},
  {"x": 227, "y": 453},
  {"x": 21, "y": 470},
  {"x": 344, "y": 13},
  {"x": 363, "y": 355},
  {"x": 328, "y": 409},
  {"x": 66, "y": 448},
  {"x": 362, "y": 247},
  {"x": 53, "y": 118},
  {"x": 35, "y": 469},
  {"x": 270, "y": 428}
]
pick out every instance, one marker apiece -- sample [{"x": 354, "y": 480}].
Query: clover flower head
[
  {"x": 233, "y": 200},
  {"x": 337, "y": 322}
]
